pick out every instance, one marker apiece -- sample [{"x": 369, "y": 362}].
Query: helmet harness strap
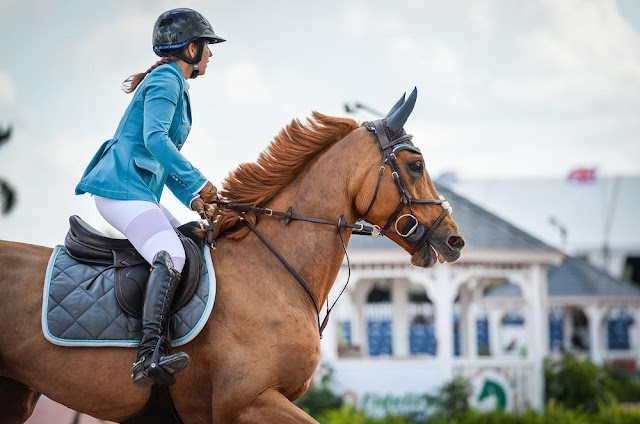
[{"x": 193, "y": 61}]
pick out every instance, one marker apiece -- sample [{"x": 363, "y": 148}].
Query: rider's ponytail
[{"x": 130, "y": 84}]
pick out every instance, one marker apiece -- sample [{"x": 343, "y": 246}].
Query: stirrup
[
  {"x": 159, "y": 369},
  {"x": 154, "y": 374},
  {"x": 174, "y": 363}
]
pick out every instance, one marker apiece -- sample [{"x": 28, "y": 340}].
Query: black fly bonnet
[{"x": 392, "y": 139}]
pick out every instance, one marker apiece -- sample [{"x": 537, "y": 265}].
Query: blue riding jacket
[{"x": 144, "y": 154}]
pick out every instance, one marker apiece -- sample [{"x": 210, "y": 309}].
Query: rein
[
  {"x": 412, "y": 232},
  {"x": 341, "y": 224}
]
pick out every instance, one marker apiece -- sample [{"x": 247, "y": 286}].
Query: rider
[{"x": 128, "y": 173}]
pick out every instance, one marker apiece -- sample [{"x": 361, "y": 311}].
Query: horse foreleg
[
  {"x": 271, "y": 407},
  {"x": 17, "y": 401}
]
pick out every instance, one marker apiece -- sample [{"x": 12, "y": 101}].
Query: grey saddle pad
[{"x": 75, "y": 316}]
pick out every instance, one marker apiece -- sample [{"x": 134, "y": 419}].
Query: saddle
[{"x": 87, "y": 245}]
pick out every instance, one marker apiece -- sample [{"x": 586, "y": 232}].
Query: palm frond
[{"x": 7, "y": 197}]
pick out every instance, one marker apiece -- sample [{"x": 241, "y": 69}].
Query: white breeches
[{"x": 149, "y": 227}]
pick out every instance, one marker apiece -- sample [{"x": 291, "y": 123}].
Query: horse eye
[{"x": 416, "y": 167}]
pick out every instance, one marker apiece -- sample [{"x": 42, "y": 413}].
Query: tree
[
  {"x": 577, "y": 384},
  {"x": 452, "y": 399}
]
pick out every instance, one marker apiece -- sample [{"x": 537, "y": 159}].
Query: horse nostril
[{"x": 455, "y": 242}]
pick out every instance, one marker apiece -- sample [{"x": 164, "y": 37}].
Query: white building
[
  {"x": 599, "y": 217},
  {"x": 495, "y": 314}
]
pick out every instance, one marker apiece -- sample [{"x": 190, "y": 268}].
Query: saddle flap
[{"x": 130, "y": 282}]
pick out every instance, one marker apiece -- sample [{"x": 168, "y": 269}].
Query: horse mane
[{"x": 278, "y": 165}]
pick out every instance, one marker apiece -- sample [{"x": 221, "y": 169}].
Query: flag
[{"x": 582, "y": 175}]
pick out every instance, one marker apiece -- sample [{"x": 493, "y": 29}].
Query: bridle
[{"x": 414, "y": 232}]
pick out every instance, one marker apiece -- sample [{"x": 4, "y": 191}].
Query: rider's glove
[
  {"x": 209, "y": 193},
  {"x": 203, "y": 209}
]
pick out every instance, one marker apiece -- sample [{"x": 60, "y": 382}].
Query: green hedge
[
  {"x": 625, "y": 384},
  {"x": 577, "y": 392},
  {"x": 577, "y": 383},
  {"x": 554, "y": 414}
]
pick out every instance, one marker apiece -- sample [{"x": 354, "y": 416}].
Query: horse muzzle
[{"x": 428, "y": 250}]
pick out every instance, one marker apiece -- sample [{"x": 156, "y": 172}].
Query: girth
[{"x": 87, "y": 245}]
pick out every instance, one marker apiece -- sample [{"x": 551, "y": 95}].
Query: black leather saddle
[{"x": 87, "y": 245}]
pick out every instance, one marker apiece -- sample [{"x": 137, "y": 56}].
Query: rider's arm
[{"x": 181, "y": 192}]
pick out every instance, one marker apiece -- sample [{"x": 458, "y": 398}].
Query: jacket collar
[{"x": 185, "y": 86}]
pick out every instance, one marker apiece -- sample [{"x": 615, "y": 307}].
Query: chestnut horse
[{"x": 261, "y": 345}]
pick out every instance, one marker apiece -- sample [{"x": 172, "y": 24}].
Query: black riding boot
[{"x": 152, "y": 365}]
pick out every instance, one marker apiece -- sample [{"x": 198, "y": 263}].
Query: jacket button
[{"x": 179, "y": 147}]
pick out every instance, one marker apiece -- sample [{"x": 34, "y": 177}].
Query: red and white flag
[{"x": 582, "y": 175}]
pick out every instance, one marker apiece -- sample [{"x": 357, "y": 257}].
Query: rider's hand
[
  {"x": 209, "y": 193},
  {"x": 201, "y": 207}
]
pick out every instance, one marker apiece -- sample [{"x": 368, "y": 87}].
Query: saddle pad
[{"x": 75, "y": 316}]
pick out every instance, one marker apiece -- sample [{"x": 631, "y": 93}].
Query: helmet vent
[{"x": 165, "y": 22}]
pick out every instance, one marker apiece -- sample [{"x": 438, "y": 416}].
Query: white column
[
  {"x": 359, "y": 321},
  {"x": 444, "y": 293},
  {"x": 400, "y": 321},
  {"x": 469, "y": 325},
  {"x": 594, "y": 315},
  {"x": 356, "y": 338},
  {"x": 462, "y": 323},
  {"x": 537, "y": 321},
  {"x": 494, "y": 317},
  {"x": 330, "y": 341},
  {"x": 567, "y": 328}
]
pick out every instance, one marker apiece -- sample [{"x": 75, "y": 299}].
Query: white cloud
[
  {"x": 441, "y": 71},
  {"x": 7, "y": 89},
  {"x": 243, "y": 83},
  {"x": 585, "y": 58},
  {"x": 359, "y": 18},
  {"x": 123, "y": 42},
  {"x": 481, "y": 14}
]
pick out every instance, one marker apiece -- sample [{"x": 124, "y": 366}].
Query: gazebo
[
  {"x": 610, "y": 306},
  {"x": 403, "y": 329}
]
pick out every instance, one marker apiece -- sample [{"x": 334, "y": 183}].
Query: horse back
[
  {"x": 22, "y": 267},
  {"x": 22, "y": 271}
]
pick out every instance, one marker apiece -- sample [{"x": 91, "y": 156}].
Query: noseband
[{"x": 414, "y": 231}]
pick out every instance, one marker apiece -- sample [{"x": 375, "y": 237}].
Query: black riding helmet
[{"x": 176, "y": 28}]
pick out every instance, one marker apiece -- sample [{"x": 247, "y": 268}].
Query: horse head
[{"x": 399, "y": 196}]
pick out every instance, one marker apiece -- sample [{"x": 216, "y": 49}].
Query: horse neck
[{"x": 322, "y": 191}]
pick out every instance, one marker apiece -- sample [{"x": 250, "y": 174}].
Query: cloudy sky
[{"x": 506, "y": 89}]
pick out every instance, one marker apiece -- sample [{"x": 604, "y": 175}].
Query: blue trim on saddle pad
[{"x": 75, "y": 316}]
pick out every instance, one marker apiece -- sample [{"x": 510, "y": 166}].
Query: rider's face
[{"x": 206, "y": 54}]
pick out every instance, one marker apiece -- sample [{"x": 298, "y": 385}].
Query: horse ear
[
  {"x": 396, "y": 121},
  {"x": 396, "y": 106}
]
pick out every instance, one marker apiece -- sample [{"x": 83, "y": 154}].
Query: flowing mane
[{"x": 277, "y": 166}]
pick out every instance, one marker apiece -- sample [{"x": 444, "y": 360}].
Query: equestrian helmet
[{"x": 176, "y": 28}]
